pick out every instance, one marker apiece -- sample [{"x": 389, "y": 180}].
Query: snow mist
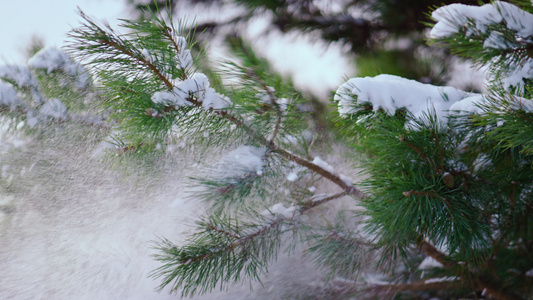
[{"x": 79, "y": 222}]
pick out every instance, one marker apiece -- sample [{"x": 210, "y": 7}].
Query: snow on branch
[
  {"x": 498, "y": 34},
  {"x": 197, "y": 87},
  {"x": 451, "y": 18},
  {"x": 390, "y": 93}
]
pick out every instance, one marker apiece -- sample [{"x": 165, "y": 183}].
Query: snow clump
[
  {"x": 240, "y": 162},
  {"x": 21, "y": 75},
  {"x": 518, "y": 74},
  {"x": 184, "y": 55},
  {"x": 280, "y": 209},
  {"x": 196, "y": 88},
  {"x": 292, "y": 177},
  {"x": 8, "y": 94},
  {"x": 451, "y": 18},
  {"x": 51, "y": 59},
  {"x": 454, "y": 17},
  {"x": 389, "y": 93},
  {"x": 54, "y": 108},
  {"x": 428, "y": 263},
  {"x": 324, "y": 165}
]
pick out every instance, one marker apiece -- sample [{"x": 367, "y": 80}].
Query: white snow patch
[
  {"x": 522, "y": 103},
  {"x": 428, "y": 263},
  {"x": 292, "y": 177},
  {"x": 451, "y": 18},
  {"x": 442, "y": 279},
  {"x": 20, "y": 74},
  {"x": 176, "y": 97},
  {"x": 54, "y": 108},
  {"x": 389, "y": 92},
  {"x": 346, "y": 179},
  {"x": 375, "y": 279},
  {"x": 8, "y": 94},
  {"x": 469, "y": 104},
  {"x": 515, "y": 78},
  {"x": 52, "y": 58},
  {"x": 324, "y": 165},
  {"x": 280, "y": 209},
  {"x": 185, "y": 60},
  {"x": 241, "y": 161},
  {"x": 197, "y": 87},
  {"x": 496, "y": 40}
]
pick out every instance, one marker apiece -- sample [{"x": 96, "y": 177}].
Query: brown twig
[
  {"x": 241, "y": 241},
  {"x": 483, "y": 283},
  {"x": 312, "y": 203}
]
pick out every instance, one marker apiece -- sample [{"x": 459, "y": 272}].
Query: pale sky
[{"x": 48, "y": 19}]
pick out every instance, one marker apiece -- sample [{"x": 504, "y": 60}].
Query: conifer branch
[
  {"x": 314, "y": 203},
  {"x": 431, "y": 194},
  {"x": 416, "y": 149},
  {"x": 226, "y": 115},
  {"x": 273, "y": 102},
  {"x": 483, "y": 283},
  {"x": 167, "y": 31},
  {"x": 430, "y": 250},
  {"x": 124, "y": 50},
  {"x": 349, "y": 189},
  {"x": 223, "y": 251}
]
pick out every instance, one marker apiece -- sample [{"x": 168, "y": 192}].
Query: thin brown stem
[
  {"x": 241, "y": 241},
  {"x": 224, "y": 232},
  {"x": 139, "y": 58},
  {"x": 430, "y": 250},
  {"x": 312, "y": 203},
  {"x": 482, "y": 283},
  {"x": 273, "y": 102},
  {"x": 348, "y": 188},
  {"x": 168, "y": 33},
  {"x": 441, "y": 153}
]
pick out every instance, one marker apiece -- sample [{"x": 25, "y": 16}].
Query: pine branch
[
  {"x": 331, "y": 176},
  {"x": 483, "y": 283},
  {"x": 122, "y": 49},
  {"x": 102, "y": 38},
  {"x": 222, "y": 252},
  {"x": 307, "y": 205},
  {"x": 167, "y": 31},
  {"x": 273, "y": 103}
]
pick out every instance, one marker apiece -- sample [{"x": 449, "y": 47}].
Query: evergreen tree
[{"x": 449, "y": 173}]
